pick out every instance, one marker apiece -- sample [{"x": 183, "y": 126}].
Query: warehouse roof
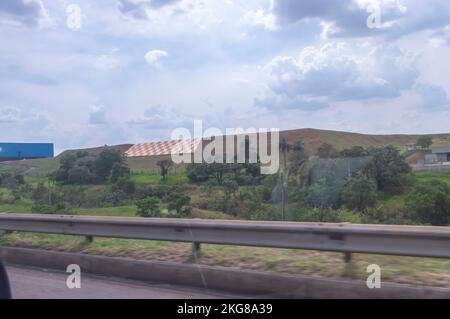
[
  {"x": 440, "y": 150},
  {"x": 163, "y": 148}
]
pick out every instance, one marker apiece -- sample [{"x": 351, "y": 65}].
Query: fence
[{"x": 419, "y": 241}]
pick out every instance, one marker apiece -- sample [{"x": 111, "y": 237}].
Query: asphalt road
[{"x": 34, "y": 283}]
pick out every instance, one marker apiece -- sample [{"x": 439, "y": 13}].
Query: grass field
[{"x": 419, "y": 271}]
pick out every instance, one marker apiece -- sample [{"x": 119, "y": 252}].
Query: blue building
[{"x": 17, "y": 151}]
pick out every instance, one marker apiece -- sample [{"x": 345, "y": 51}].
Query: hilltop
[{"x": 312, "y": 138}]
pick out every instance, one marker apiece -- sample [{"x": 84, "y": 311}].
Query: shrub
[
  {"x": 197, "y": 173},
  {"x": 359, "y": 193},
  {"x": 180, "y": 203},
  {"x": 162, "y": 191},
  {"x": 116, "y": 197},
  {"x": 126, "y": 185},
  {"x": 430, "y": 203},
  {"x": 323, "y": 194},
  {"x": 148, "y": 207},
  {"x": 387, "y": 214},
  {"x": 49, "y": 209}
]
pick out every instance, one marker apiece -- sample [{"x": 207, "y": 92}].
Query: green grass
[
  {"x": 172, "y": 179},
  {"x": 418, "y": 177},
  {"x": 426, "y": 176},
  {"x": 418, "y": 271},
  {"x": 36, "y": 179},
  {"x": 14, "y": 208},
  {"x": 125, "y": 211}
]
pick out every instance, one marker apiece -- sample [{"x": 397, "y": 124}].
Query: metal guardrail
[{"x": 420, "y": 241}]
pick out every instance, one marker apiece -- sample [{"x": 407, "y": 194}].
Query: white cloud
[
  {"x": 9, "y": 114},
  {"x": 30, "y": 13},
  {"x": 97, "y": 116},
  {"x": 339, "y": 71},
  {"x": 348, "y": 18},
  {"x": 433, "y": 96},
  {"x": 260, "y": 17},
  {"x": 159, "y": 118},
  {"x": 152, "y": 57},
  {"x": 106, "y": 62}
]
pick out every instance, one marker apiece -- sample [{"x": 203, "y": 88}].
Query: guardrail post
[
  {"x": 348, "y": 257},
  {"x": 196, "y": 249},
  {"x": 89, "y": 239},
  {"x": 349, "y": 268}
]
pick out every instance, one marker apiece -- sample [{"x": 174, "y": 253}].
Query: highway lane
[{"x": 34, "y": 283}]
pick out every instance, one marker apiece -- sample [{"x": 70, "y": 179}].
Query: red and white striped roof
[{"x": 163, "y": 148}]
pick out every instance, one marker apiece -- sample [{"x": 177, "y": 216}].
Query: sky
[{"x": 87, "y": 73}]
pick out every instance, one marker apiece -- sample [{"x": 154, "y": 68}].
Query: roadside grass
[
  {"x": 123, "y": 211},
  {"x": 409, "y": 270},
  {"x": 14, "y": 208}
]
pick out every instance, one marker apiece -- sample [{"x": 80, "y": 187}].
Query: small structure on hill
[{"x": 442, "y": 154}]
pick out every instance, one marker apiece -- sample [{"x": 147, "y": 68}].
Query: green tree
[
  {"x": 284, "y": 148},
  {"x": 119, "y": 170},
  {"x": 148, "y": 207},
  {"x": 355, "y": 151},
  {"x": 79, "y": 175},
  {"x": 164, "y": 166},
  {"x": 387, "y": 167},
  {"x": 424, "y": 141},
  {"x": 327, "y": 151},
  {"x": 230, "y": 188},
  {"x": 359, "y": 193},
  {"x": 105, "y": 162},
  {"x": 430, "y": 203}
]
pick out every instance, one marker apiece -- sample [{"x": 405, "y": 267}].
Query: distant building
[
  {"x": 431, "y": 159},
  {"x": 163, "y": 148},
  {"x": 18, "y": 151},
  {"x": 410, "y": 147},
  {"x": 442, "y": 154}
]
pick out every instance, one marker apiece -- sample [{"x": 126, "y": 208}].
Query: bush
[
  {"x": 316, "y": 214},
  {"x": 49, "y": 209},
  {"x": 126, "y": 185},
  {"x": 323, "y": 194},
  {"x": 359, "y": 193},
  {"x": 387, "y": 214},
  {"x": 162, "y": 191},
  {"x": 148, "y": 207},
  {"x": 197, "y": 173},
  {"x": 180, "y": 203},
  {"x": 430, "y": 203},
  {"x": 116, "y": 197}
]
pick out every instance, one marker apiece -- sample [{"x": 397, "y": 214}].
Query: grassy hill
[{"x": 312, "y": 138}]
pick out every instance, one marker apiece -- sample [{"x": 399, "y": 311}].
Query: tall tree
[
  {"x": 285, "y": 148},
  {"x": 424, "y": 141},
  {"x": 327, "y": 151},
  {"x": 164, "y": 166},
  {"x": 387, "y": 167}
]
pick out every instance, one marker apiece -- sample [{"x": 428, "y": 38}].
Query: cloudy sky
[{"x": 129, "y": 71}]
